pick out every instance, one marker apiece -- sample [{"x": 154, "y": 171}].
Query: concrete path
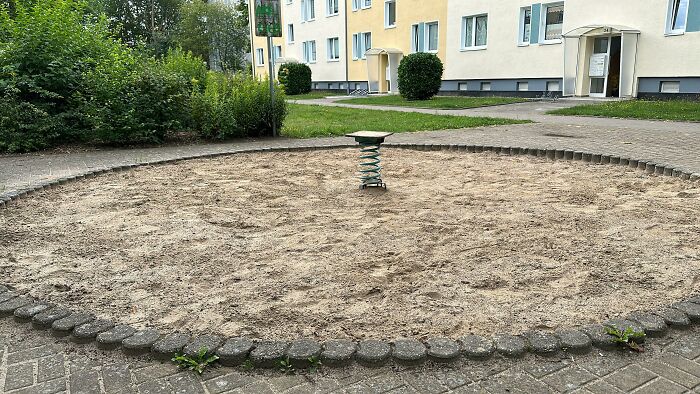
[{"x": 35, "y": 362}]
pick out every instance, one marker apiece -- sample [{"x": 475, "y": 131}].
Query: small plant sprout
[
  {"x": 286, "y": 366},
  {"x": 198, "y": 363},
  {"x": 629, "y": 337},
  {"x": 314, "y": 364},
  {"x": 247, "y": 365}
]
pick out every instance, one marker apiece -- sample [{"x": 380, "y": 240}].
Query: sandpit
[{"x": 283, "y": 245}]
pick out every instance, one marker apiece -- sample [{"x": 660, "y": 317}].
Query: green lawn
[
  {"x": 306, "y": 121},
  {"x": 313, "y": 96},
  {"x": 678, "y": 110},
  {"x": 435, "y": 102}
]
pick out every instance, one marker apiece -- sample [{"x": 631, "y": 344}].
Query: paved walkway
[{"x": 35, "y": 362}]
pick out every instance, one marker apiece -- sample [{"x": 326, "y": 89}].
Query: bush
[
  {"x": 236, "y": 105},
  {"x": 420, "y": 76},
  {"x": 24, "y": 127},
  {"x": 137, "y": 105},
  {"x": 295, "y": 78}
]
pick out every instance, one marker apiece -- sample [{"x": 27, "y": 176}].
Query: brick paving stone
[
  {"x": 154, "y": 387},
  {"x": 19, "y": 375},
  {"x": 569, "y": 379},
  {"x": 283, "y": 383},
  {"x": 516, "y": 382},
  {"x": 602, "y": 387},
  {"x": 185, "y": 383},
  {"x": 424, "y": 383},
  {"x": 228, "y": 382},
  {"x": 116, "y": 377},
  {"x": 452, "y": 378},
  {"x": 258, "y": 387},
  {"x": 30, "y": 353},
  {"x": 671, "y": 373},
  {"x": 475, "y": 388},
  {"x": 49, "y": 387},
  {"x": 661, "y": 385},
  {"x": 602, "y": 366},
  {"x": 630, "y": 377},
  {"x": 51, "y": 367},
  {"x": 543, "y": 368},
  {"x": 86, "y": 381},
  {"x": 681, "y": 363},
  {"x": 688, "y": 347}
]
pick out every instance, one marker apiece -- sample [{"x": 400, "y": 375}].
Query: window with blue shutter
[{"x": 535, "y": 23}]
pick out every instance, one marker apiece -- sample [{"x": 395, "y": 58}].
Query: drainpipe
[{"x": 347, "y": 59}]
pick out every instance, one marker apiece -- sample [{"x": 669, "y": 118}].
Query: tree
[
  {"x": 149, "y": 22},
  {"x": 216, "y": 32}
]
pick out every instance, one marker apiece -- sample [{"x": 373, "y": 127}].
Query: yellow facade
[{"x": 408, "y": 13}]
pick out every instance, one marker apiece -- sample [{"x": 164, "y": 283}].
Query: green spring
[{"x": 370, "y": 168}]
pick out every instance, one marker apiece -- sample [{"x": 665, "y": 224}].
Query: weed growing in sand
[
  {"x": 286, "y": 366},
  {"x": 314, "y": 364},
  {"x": 247, "y": 365},
  {"x": 629, "y": 338},
  {"x": 200, "y": 362}
]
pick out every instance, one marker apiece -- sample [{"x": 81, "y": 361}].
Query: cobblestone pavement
[{"x": 36, "y": 362}]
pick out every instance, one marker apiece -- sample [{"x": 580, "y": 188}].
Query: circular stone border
[{"x": 85, "y": 327}]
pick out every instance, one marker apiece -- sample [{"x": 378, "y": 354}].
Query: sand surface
[{"x": 280, "y": 245}]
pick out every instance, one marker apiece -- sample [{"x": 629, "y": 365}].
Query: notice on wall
[
  {"x": 268, "y": 18},
  {"x": 598, "y": 65}
]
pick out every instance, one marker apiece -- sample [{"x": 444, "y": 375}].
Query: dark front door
[{"x": 614, "y": 68}]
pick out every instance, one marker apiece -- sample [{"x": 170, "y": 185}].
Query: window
[
  {"x": 474, "y": 32},
  {"x": 366, "y": 3},
  {"x": 290, "y": 33},
  {"x": 308, "y": 10},
  {"x": 486, "y": 86},
  {"x": 553, "y": 86},
  {"x": 677, "y": 16},
  {"x": 523, "y": 86},
  {"x": 355, "y": 5},
  {"x": 309, "y": 51},
  {"x": 289, "y": 1},
  {"x": 332, "y": 7},
  {"x": 525, "y": 25},
  {"x": 333, "y": 49},
  {"x": 361, "y": 43},
  {"x": 389, "y": 13},
  {"x": 277, "y": 52},
  {"x": 259, "y": 57},
  {"x": 670, "y": 87},
  {"x": 432, "y": 36},
  {"x": 415, "y": 38},
  {"x": 462, "y": 86},
  {"x": 553, "y": 21}
]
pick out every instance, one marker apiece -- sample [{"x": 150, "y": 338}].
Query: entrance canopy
[
  {"x": 578, "y": 49},
  {"x": 382, "y": 69},
  {"x": 591, "y": 30}
]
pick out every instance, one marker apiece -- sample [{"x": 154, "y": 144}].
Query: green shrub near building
[
  {"x": 420, "y": 76},
  {"x": 295, "y": 78},
  {"x": 64, "y": 78}
]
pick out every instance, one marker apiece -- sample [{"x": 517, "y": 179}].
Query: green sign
[{"x": 268, "y": 18}]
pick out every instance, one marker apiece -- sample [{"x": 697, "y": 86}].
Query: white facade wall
[
  {"x": 320, "y": 29},
  {"x": 659, "y": 55}
]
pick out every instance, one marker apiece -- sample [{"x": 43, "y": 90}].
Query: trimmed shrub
[
  {"x": 420, "y": 76},
  {"x": 235, "y": 106},
  {"x": 295, "y": 78},
  {"x": 24, "y": 127}
]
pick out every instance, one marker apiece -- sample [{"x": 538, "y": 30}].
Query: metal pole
[
  {"x": 347, "y": 50},
  {"x": 271, "y": 61}
]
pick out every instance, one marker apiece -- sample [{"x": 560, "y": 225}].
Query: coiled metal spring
[{"x": 369, "y": 167}]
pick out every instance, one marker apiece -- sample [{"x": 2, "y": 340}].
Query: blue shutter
[
  {"x": 535, "y": 23},
  {"x": 421, "y": 37},
  {"x": 693, "y": 16}
]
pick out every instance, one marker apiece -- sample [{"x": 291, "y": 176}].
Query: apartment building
[{"x": 621, "y": 48}]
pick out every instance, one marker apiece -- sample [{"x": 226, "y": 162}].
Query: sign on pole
[
  {"x": 268, "y": 18},
  {"x": 268, "y": 23}
]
